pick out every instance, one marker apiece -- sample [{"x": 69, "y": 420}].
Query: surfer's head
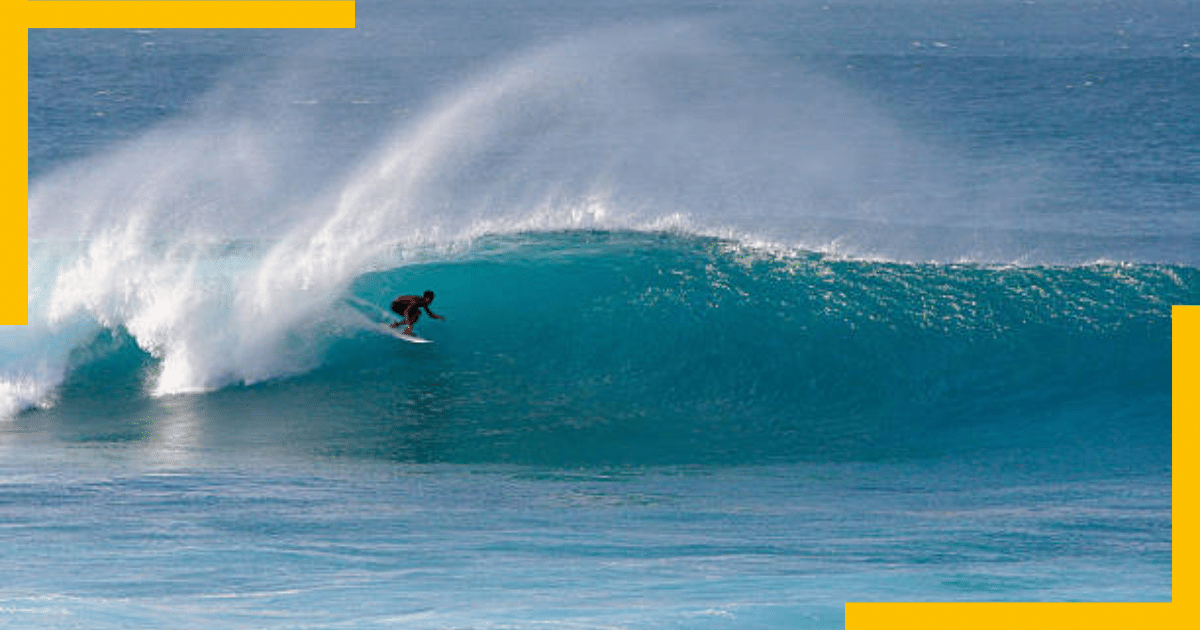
[{"x": 429, "y": 295}]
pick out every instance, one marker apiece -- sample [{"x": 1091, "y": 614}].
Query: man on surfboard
[{"x": 409, "y": 307}]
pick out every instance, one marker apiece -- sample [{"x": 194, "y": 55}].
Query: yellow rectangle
[
  {"x": 191, "y": 14},
  {"x": 14, "y": 214},
  {"x": 1185, "y": 470},
  {"x": 1012, "y": 616}
]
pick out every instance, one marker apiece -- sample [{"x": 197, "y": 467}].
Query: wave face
[
  {"x": 661, "y": 243},
  {"x": 752, "y": 309},
  {"x": 594, "y": 347}
]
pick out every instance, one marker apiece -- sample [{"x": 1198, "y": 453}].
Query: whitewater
[{"x": 750, "y": 312}]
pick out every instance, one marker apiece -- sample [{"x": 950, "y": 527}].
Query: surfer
[{"x": 409, "y": 307}]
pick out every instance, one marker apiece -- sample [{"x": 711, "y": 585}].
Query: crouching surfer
[{"x": 409, "y": 307}]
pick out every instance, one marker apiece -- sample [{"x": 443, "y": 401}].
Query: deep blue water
[{"x": 751, "y": 311}]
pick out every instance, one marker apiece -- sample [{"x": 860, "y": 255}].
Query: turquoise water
[
  {"x": 750, "y": 311},
  {"x": 595, "y": 348},
  {"x": 149, "y": 542}
]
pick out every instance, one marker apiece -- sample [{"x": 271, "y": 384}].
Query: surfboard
[
  {"x": 395, "y": 332},
  {"x": 361, "y": 307}
]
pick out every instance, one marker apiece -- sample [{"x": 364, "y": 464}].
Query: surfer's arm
[{"x": 432, "y": 314}]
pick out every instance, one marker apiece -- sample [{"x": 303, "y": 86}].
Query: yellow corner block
[
  {"x": 17, "y": 16},
  {"x": 1185, "y": 374}
]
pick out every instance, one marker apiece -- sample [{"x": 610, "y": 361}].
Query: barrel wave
[
  {"x": 752, "y": 309},
  {"x": 722, "y": 267},
  {"x": 645, "y": 348}
]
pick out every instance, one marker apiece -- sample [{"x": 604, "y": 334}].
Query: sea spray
[
  {"x": 581, "y": 135},
  {"x": 651, "y": 128},
  {"x": 687, "y": 379}
]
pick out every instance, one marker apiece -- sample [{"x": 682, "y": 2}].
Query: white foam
[{"x": 582, "y": 134}]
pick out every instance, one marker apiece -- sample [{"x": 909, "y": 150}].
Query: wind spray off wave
[
  {"x": 194, "y": 240},
  {"x": 752, "y": 309}
]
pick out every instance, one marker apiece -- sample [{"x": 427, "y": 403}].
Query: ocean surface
[{"x": 752, "y": 309}]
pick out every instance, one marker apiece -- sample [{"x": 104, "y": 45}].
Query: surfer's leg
[
  {"x": 411, "y": 319},
  {"x": 403, "y": 318}
]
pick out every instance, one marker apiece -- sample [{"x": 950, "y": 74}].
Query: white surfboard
[{"x": 395, "y": 332}]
